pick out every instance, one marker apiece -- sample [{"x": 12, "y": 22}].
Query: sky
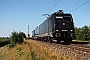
[{"x": 16, "y": 15}]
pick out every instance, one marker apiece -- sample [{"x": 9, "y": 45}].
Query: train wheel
[
  {"x": 47, "y": 39},
  {"x": 58, "y": 40},
  {"x": 70, "y": 40},
  {"x": 66, "y": 41},
  {"x": 42, "y": 39},
  {"x": 50, "y": 40}
]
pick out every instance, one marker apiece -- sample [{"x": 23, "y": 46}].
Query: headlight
[
  {"x": 71, "y": 30},
  {"x": 56, "y": 30}
]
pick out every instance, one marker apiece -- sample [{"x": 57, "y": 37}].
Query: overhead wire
[
  {"x": 54, "y": 6},
  {"x": 46, "y": 5},
  {"x": 74, "y": 5},
  {"x": 71, "y": 7},
  {"x": 51, "y": 5},
  {"x": 43, "y": 10},
  {"x": 58, "y": 3},
  {"x": 80, "y": 6}
]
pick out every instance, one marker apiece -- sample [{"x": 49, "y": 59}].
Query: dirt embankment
[{"x": 34, "y": 50}]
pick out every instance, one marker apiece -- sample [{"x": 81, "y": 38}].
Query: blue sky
[{"x": 16, "y": 15}]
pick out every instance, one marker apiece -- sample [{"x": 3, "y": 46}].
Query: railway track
[
  {"x": 78, "y": 51},
  {"x": 81, "y": 48}
]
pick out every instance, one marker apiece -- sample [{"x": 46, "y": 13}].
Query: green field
[{"x": 4, "y": 41}]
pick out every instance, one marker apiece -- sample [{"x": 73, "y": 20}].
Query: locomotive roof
[{"x": 60, "y": 12}]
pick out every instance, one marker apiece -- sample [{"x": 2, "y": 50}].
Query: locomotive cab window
[
  {"x": 59, "y": 18},
  {"x": 67, "y": 18}
]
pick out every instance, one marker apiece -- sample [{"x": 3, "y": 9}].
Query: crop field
[{"x": 4, "y": 41}]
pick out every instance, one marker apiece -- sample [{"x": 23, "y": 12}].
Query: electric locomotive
[
  {"x": 58, "y": 26},
  {"x": 63, "y": 27}
]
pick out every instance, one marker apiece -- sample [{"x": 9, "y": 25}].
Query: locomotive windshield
[
  {"x": 64, "y": 18},
  {"x": 59, "y": 18},
  {"x": 63, "y": 22},
  {"x": 67, "y": 18}
]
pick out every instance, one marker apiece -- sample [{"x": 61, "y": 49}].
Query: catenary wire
[
  {"x": 54, "y": 6},
  {"x": 43, "y": 10},
  {"x": 74, "y": 5},
  {"x": 80, "y": 6}
]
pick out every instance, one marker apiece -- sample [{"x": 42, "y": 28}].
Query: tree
[
  {"x": 83, "y": 33},
  {"x": 21, "y": 37},
  {"x": 16, "y": 38},
  {"x": 86, "y": 33}
]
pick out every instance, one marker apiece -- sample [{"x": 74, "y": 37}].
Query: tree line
[{"x": 83, "y": 33}]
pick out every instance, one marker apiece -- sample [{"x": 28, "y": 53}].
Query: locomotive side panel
[{"x": 51, "y": 26}]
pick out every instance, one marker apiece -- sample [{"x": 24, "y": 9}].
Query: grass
[
  {"x": 31, "y": 50},
  {"x": 44, "y": 53},
  {"x": 81, "y": 40}
]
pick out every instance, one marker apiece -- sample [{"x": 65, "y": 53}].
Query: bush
[
  {"x": 21, "y": 37},
  {"x": 83, "y": 33},
  {"x": 17, "y": 38},
  {"x": 12, "y": 44}
]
